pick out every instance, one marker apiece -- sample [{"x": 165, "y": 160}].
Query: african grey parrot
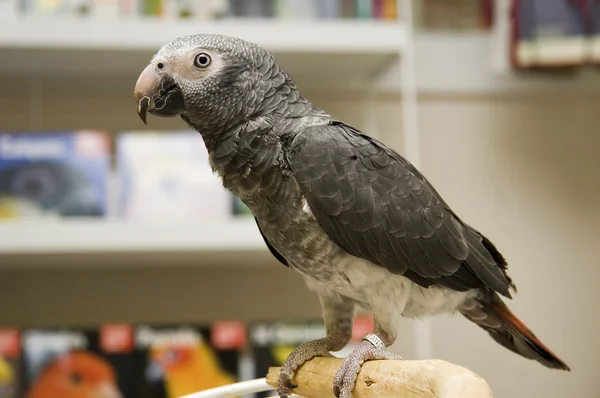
[{"x": 359, "y": 222}]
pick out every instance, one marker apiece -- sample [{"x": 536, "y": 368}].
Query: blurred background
[{"x": 121, "y": 253}]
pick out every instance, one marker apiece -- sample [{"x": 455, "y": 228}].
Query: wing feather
[{"x": 375, "y": 205}]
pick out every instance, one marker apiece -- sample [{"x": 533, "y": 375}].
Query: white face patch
[{"x": 180, "y": 63}]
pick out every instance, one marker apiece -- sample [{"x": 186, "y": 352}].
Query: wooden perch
[{"x": 385, "y": 379}]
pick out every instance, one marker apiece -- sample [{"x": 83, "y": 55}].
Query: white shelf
[
  {"x": 317, "y": 52},
  {"x": 322, "y": 54},
  {"x": 362, "y": 36},
  {"x": 464, "y": 63},
  {"x": 72, "y": 236},
  {"x": 89, "y": 242}
]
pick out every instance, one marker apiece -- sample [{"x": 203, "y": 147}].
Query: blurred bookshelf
[
  {"x": 90, "y": 243},
  {"x": 144, "y": 232},
  {"x": 324, "y": 45},
  {"x": 118, "y": 49},
  {"x": 102, "y": 46}
]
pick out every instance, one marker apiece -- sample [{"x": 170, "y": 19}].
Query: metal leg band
[{"x": 375, "y": 340}]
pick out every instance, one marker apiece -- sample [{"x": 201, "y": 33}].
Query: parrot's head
[{"x": 212, "y": 81}]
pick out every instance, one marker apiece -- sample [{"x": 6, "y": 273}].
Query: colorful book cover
[
  {"x": 68, "y": 362},
  {"x": 348, "y": 9},
  {"x": 115, "y": 342},
  {"x": 10, "y": 363},
  {"x": 152, "y": 8},
  {"x": 364, "y": 9},
  {"x": 167, "y": 176},
  {"x": 193, "y": 9},
  {"x": 44, "y": 7},
  {"x": 54, "y": 174},
  {"x": 549, "y": 33},
  {"x": 389, "y": 9},
  {"x": 173, "y": 361},
  {"x": 273, "y": 342},
  {"x": 377, "y": 9}
]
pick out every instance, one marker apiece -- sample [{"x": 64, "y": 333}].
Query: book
[
  {"x": 549, "y": 33},
  {"x": 60, "y": 174},
  {"x": 193, "y": 9},
  {"x": 593, "y": 18},
  {"x": 66, "y": 362},
  {"x": 10, "y": 363},
  {"x": 328, "y": 9},
  {"x": 364, "y": 9},
  {"x": 389, "y": 10},
  {"x": 176, "y": 360},
  {"x": 166, "y": 176},
  {"x": 253, "y": 8},
  {"x": 78, "y": 8}
]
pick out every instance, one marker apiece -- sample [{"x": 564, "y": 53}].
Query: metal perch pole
[
  {"x": 383, "y": 379},
  {"x": 233, "y": 390}
]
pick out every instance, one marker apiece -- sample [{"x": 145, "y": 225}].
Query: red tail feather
[{"x": 503, "y": 326}]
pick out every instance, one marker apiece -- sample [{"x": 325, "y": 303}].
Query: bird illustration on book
[
  {"x": 359, "y": 222},
  {"x": 189, "y": 368},
  {"x": 77, "y": 374}
]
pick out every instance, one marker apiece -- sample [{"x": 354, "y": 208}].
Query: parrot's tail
[{"x": 491, "y": 314}]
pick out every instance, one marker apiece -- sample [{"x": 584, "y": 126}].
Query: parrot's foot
[
  {"x": 303, "y": 353},
  {"x": 345, "y": 379}
]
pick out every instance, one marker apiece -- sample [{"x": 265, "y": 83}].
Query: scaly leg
[
  {"x": 338, "y": 315},
  {"x": 371, "y": 348}
]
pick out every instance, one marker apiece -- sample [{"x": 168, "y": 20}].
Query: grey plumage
[
  {"x": 377, "y": 206},
  {"x": 361, "y": 224}
]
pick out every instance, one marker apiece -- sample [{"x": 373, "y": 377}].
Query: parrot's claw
[
  {"x": 345, "y": 379},
  {"x": 304, "y": 352},
  {"x": 285, "y": 386}
]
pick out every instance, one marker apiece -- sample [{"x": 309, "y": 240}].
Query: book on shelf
[
  {"x": 167, "y": 176},
  {"x": 121, "y": 360},
  {"x": 207, "y": 9},
  {"x": 64, "y": 362},
  {"x": 11, "y": 374},
  {"x": 551, "y": 33},
  {"x": 77, "y": 8},
  {"x": 54, "y": 174},
  {"x": 177, "y": 360}
]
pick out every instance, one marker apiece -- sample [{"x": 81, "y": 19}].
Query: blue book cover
[{"x": 59, "y": 174}]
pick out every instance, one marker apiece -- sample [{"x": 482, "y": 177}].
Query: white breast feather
[{"x": 387, "y": 291}]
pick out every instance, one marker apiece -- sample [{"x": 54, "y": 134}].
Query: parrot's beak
[{"x": 157, "y": 94}]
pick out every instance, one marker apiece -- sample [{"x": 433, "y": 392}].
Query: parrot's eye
[{"x": 202, "y": 60}]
